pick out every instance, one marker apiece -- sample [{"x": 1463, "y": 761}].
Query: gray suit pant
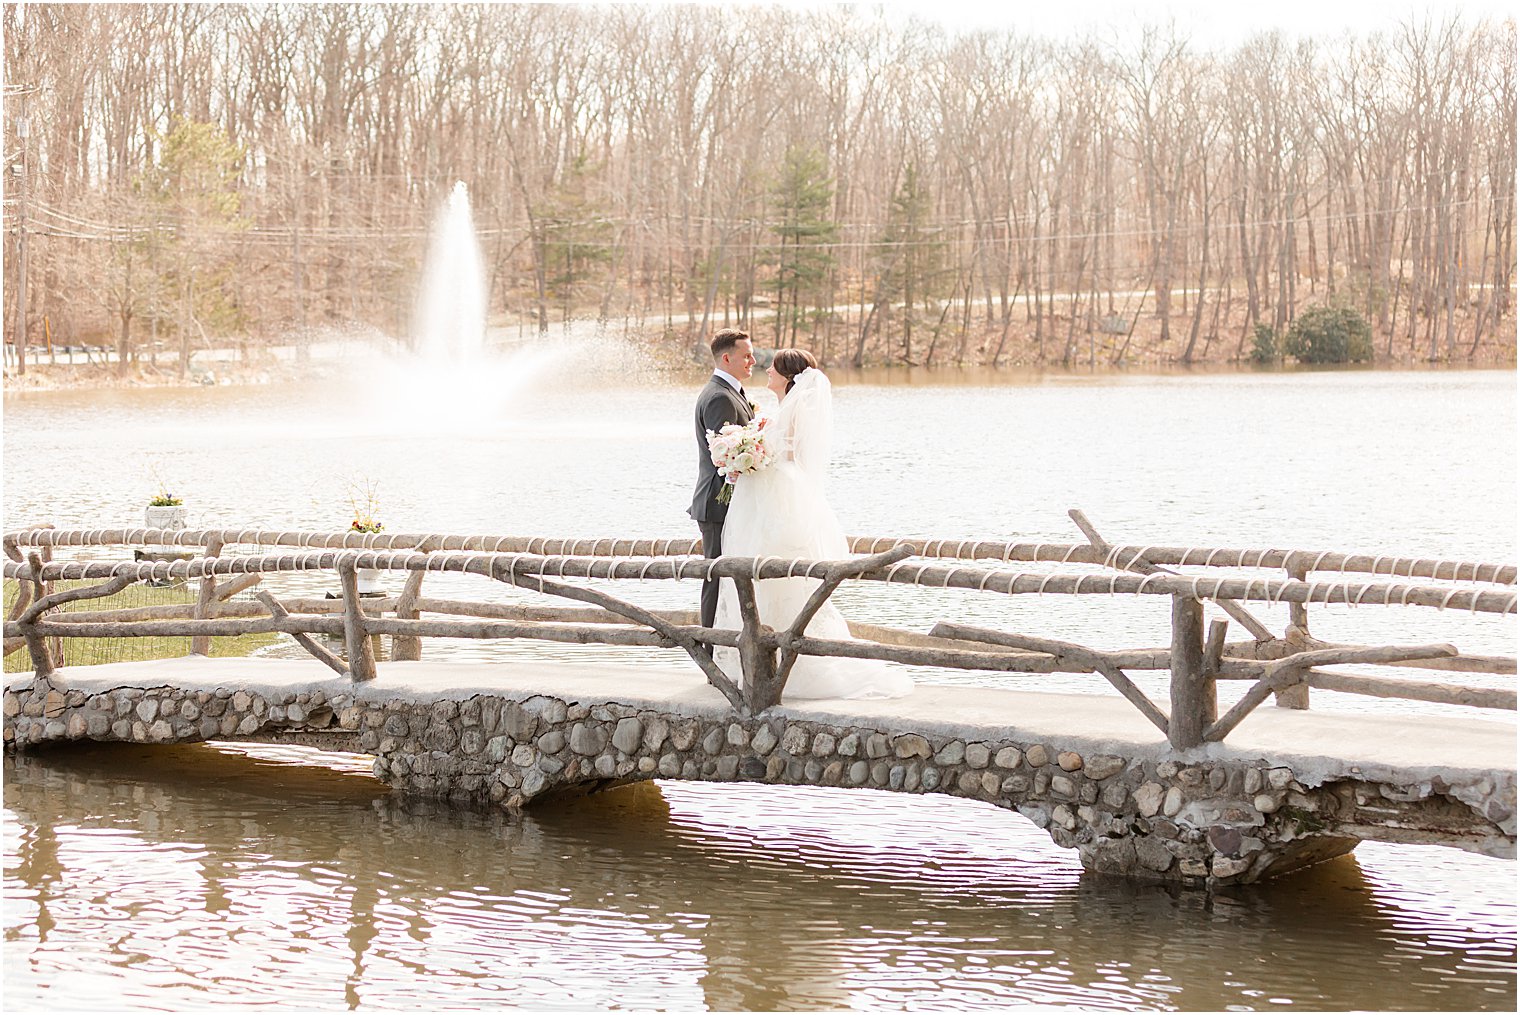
[{"x": 712, "y": 546}]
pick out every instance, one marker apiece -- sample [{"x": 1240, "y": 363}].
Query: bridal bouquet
[{"x": 738, "y": 450}]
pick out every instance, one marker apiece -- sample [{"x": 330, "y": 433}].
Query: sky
[{"x": 1207, "y": 23}]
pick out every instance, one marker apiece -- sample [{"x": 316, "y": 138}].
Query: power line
[{"x": 272, "y": 235}]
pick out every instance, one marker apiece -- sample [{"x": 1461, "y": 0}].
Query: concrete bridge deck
[{"x": 1286, "y": 789}]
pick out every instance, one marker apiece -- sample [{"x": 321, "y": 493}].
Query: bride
[{"x": 781, "y": 512}]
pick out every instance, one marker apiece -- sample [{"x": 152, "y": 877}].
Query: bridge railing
[{"x": 1286, "y": 665}]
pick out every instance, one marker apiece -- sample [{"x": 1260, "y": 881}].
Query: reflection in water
[
  {"x": 257, "y": 880},
  {"x": 257, "y": 877}
]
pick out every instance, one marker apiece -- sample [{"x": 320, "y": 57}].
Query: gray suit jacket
[{"x": 717, "y": 405}]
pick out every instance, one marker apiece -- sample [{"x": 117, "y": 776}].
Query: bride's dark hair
[{"x": 791, "y": 362}]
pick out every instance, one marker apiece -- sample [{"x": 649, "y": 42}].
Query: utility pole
[{"x": 23, "y": 131}]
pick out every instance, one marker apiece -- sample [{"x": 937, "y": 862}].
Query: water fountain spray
[{"x": 451, "y": 308}]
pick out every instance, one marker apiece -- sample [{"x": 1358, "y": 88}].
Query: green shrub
[
  {"x": 1329, "y": 335},
  {"x": 1264, "y": 345}
]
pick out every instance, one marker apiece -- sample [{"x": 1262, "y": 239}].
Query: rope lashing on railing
[
  {"x": 667, "y": 568},
  {"x": 950, "y": 574},
  {"x": 1323, "y": 560},
  {"x": 1130, "y": 571}
]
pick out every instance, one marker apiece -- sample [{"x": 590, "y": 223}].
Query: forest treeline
[{"x": 879, "y": 191}]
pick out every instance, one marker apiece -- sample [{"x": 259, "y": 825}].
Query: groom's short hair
[{"x": 726, "y": 340}]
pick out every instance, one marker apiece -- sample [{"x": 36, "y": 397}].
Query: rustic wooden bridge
[{"x": 1168, "y": 790}]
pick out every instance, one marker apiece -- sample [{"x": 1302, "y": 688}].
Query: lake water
[{"x": 259, "y": 876}]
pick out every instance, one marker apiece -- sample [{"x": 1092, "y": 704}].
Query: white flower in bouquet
[{"x": 738, "y": 450}]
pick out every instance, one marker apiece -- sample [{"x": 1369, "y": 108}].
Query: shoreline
[
  {"x": 328, "y": 351},
  {"x": 269, "y": 370},
  {"x": 42, "y": 377}
]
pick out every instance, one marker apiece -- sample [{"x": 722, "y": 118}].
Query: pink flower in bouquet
[{"x": 738, "y": 450}]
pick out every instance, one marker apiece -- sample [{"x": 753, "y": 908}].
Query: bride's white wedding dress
[{"x": 781, "y": 512}]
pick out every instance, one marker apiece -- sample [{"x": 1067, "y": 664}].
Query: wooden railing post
[
  {"x": 55, "y": 645},
  {"x": 1297, "y": 695},
  {"x": 1194, "y": 704},
  {"x": 406, "y": 647},
  {"x": 200, "y": 644},
  {"x": 361, "y": 654},
  {"x": 42, "y": 657},
  {"x": 24, "y": 590},
  {"x": 756, "y": 659}
]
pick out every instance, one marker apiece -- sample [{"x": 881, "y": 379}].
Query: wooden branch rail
[
  {"x": 956, "y": 549},
  {"x": 1237, "y": 659},
  {"x": 1072, "y": 658},
  {"x": 373, "y": 607},
  {"x": 227, "y": 628},
  {"x": 926, "y": 575},
  {"x": 1278, "y": 648},
  {"x": 1285, "y": 672},
  {"x": 1065, "y": 656},
  {"x": 1411, "y": 690},
  {"x": 303, "y": 638},
  {"x": 1140, "y": 565},
  {"x": 1119, "y": 557},
  {"x": 1381, "y": 687},
  {"x": 348, "y": 540},
  {"x": 1287, "y": 665}
]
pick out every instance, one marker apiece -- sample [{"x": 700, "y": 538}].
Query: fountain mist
[
  {"x": 452, "y": 381},
  {"x": 451, "y": 308}
]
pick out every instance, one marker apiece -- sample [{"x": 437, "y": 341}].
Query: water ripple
[{"x": 264, "y": 877}]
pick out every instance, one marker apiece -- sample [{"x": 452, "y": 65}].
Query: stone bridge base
[{"x": 1194, "y": 821}]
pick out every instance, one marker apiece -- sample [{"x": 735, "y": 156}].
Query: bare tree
[{"x": 1139, "y": 197}]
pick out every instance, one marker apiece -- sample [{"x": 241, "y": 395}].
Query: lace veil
[{"x": 805, "y": 420}]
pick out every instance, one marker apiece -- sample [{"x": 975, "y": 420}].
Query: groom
[{"x": 721, "y": 402}]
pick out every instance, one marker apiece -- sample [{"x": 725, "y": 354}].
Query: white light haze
[{"x": 1208, "y": 24}]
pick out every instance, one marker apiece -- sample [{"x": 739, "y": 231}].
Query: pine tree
[
  {"x": 804, "y": 196},
  {"x": 573, "y": 236},
  {"x": 196, "y": 185},
  {"x": 912, "y": 258}
]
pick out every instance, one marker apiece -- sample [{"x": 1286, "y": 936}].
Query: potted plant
[
  {"x": 365, "y": 509},
  {"x": 165, "y": 510}
]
